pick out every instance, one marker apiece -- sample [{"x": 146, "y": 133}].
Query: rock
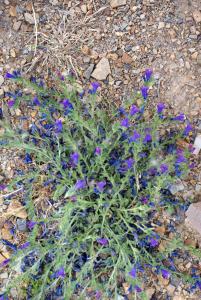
[
  {"x": 197, "y": 16},
  {"x": 102, "y": 69},
  {"x": 149, "y": 293},
  {"x": 21, "y": 225},
  {"x": 86, "y": 50},
  {"x": 161, "y": 25},
  {"x": 16, "y": 209},
  {"x": 117, "y": 3},
  {"x": 199, "y": 60},
  {"x": 177, "y": 187},
  {"x": 5, "y": 233},
  {"x": 193, "y": 214},
  {"x": 88, "y": 71},
  {"x": 29, "y": 18},
  {"x": 13, "y": 53},
  {"x": 178, "y": 297},
  {"x": 112, "y": 56},
  {"x": 126, "y": 59},
  {"x": 190, "y": 242},
  {"x": 84, "y": 8},
  {"x": 4, "y": 275},
  {"x": 17, "y": 25},
  {"x": 1, "y": 80},
  {"x": 197, "y": 144},
  {"x": 171, "y": 289},
  {"x": 12, "y": 11}
]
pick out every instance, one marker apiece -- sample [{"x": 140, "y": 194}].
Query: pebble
[
  {"x": 29, "y": 18},
  {"x": 197, "y": 144},
  {"x": 88, "y": 72},
  {"x": 84, "y": 8},
  {"x": 126, "y": 58},
  {"x": 171, "y": 289},
  {"x": 21, "y": 225},
  {"x": 197, "y": 16},
  {"x": 17, "y": 25},
  {"x": 4, "y": 275},
  {"x": 161, "y": 25},
  {"x": 1, "y": 80},
  {"x": 117, "y": 3},
  {"x": 12, "y": 11},
  {"x": 102, "y": 69},
  {"x": 193, "y": 215},
  {"x": 175, "y": 188}
]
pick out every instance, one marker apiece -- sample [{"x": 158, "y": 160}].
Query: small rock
[
  {"x": 84, "y": 8},
  {"x": 149, "y": 293},
  {"x": 194, "y": 216},
  {"x": 112, "y": 56},
  {"x": 12, "y": 11},
  {"x": 171, "y": 289},
  {"x": 4, "y": 275},
  {"x": 198, "y": 188},
  {"x": 17, "y": 25},
  {"x": 88, "y": 72},
  {"x": 161, "y": 25},
  {"x": 13, "y": 53},
  {"x": 86, "y": 50},
  {"x": 177, "y": 187},
  {"x": 117, "y": 3},
  {"x": 197, "y": 144},
  {"x": 16, "y": 209},
  {"x": 29, "y": 18},
  {"x": 178, "y": 297},
  {"x": 102, "y": 69},
  {"x": 86, "y": 59},
  {"x": 197, "y": 16},
  {"x": 128, "y": 48},
  {"x": 1, "y": 80},
  {"x": 5, "y": 233},
  {"x": 126, "y": 59},
  {"x": 199, "y": 60},
  {"x": 21, "y": 225}
]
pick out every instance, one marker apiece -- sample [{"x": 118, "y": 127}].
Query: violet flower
[
  {"x": 102, "y": 241},
  {"x": 75, "y": 158},
  {"x": 101, "y": 185},
  {"x": 4, "y": 262},
  {"x": 14, "y": 75},
  {"x": 27, "y": 159},
  {"x": 147, "y": 75},
  {"x": 160, "y": 107},
  {"x": 125, "y": 123},
  {"x": 134, "y": 110},
  {"x": 135, "y": 136},
  {"x": 60, "y": 273},
  {"x": 36, "y": 101},
  {"x": 98, "y": 295},
  {"x": 2, "y": 187},
  {"x": 25, "y": 245},
  {"x": 31, "y": 224},
  {"x": 132, "y": 272},
  {"x": 95, "y": 86},
  {"x": 147, "y": 138},
  {"x": 165, "y": 273},
  {"x": 58, "y": 126},
  {"x": 129, "y": 162},
  {"x": 144, "y": 200},
  {"x": 180, "y": 117},
  {"x": 153, "y": 242},
  {"x": 138, "y": 289},
  {"x": 163, "y": 168},
  {"x": 11, "y": 103},
  {"x": 188, "y": 129},
  {"x": 144, "y": 92},
  {"x": 67, "y": 104},
  {"x": 80, "y": 184},
  {"x": 98, "y": 151}
]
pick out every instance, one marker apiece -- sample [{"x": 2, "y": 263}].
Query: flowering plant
[{"x": 108, "y": 180}]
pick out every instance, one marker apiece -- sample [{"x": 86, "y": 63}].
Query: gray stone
[
  {"x": 21, "y": 225},
  {"x": 29, "y": 18},
  {"x": 177, "y": 187},
  {"x": 16, "y": 25},
  {"x": 1, "y": 80},
  {"x": 197, "y": 144},
  {"x": 102, "y": 69},
  {"x": 117, "y": 3},
  {"x": 193, "y": 215},
  {"x": 88, "y": 71},
  {"x": 199, "y": 59}
]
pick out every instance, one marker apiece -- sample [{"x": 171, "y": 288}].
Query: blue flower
[
  {"x": 147, "y": 75},
  {"x": 133, "y": 272},
  {"x": 138, "y": 289},
  {"x": 129, "y": 162},
  {"x": 160, "y": 107},
  {"x": 188, "y": 129},
  {"x": 98, "y": 151},
  {"x": 98, "y": 295},
  {"x": 153, "y": 242},
  {"x": 134, "y": 110},
  {"x": 163, "y": 168},
  {"x": 59, "y": 273},
  {"x": 58, "y": 126},
  {"x": 101, "y": 185},
  {"x": 2, "y": 187},
  {"x": 36, "y": 101},
  {"x": 180, "y": 117},
  {"x": 165, "y": 273},
  {"x": 144, "y": 92},
  {"x": 95, "y": 86},
  {"x": 27, "y": 159},
  {"x": 135, "y": 136},
  {"x": 80, "y": 184},
  {"x": 147, "y": 138},
  {"x": 102, "y": 241},
  {"x": 11, "y": 103},
  {"x": 125, "y": 123},
  {"x": 25, "y": 245},
  {"x": 75, "y": 158},
  {"x": 67, "y": 104},
  {"x": 14, "y": 75}
]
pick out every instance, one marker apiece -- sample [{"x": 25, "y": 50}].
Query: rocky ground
[{"x": 113, "y": 42}]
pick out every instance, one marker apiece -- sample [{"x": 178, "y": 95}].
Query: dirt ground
[{"x": 42, "y": 37}]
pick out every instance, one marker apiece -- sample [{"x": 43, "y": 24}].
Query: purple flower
[
  {"x": 25, "y": 245},
  {"x": 153, "y": 242},
  {"x": 180, "y": 117},
  {"x": 144, "y": 200},
  {"x": 125, "y": 123},
  {"x": 11, "y": 103},
  {"x": 74, "y": 158},
  {"x": 95, "y": 86},
  {"x": 160, "y": 107},
  {"x": 134, "y": 110},
  {"x": 101, "y": 185},
  {"x": 138, "y": 289},
  {"x": 14, "y": 75},
  {"x": 163, "y": 168},
  {"x": 66, "y": 104},
  {"x": 102, "y": 241},
  {"x": 129, "y": 162},
  {"x": 144, "y": 92},
  {"x": 180, "y": 156},
  {"x": 31, "y": 224},
  {"x": 135, "y": 136},
  {"x": 165, "y": 273},
  {"x": 60, "y": 273},
  {"x": 98, "y": 151},
  {"x": 27, "y": 159},
  {"x": 147, "y": 75},
  {"x": 98, "y": 295},
  {"x": 36, "y": 101},
  {"x": 58, "y": 126},
  {"x": 2, "y": 187},
  {"x": 148, "y": 138},
  {"x": 4, "y": 262},
  {"x": 80, "y": 184},
  {"x": 188, "y": 129},
  {"x": 132, "y": 272}
]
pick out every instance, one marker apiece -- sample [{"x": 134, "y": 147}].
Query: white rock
[
  {"x": 177, "y": 187},
  {"x": 117, "y": 3},
  {"x": 29, "y": 18},
  {"x": 197, "y": 144},
  {"x": 102, "y": 69},
  {"x": 161, "y": 25},
  {"x": 84, "y": 8},
  {"x": 193, "y": 214},
  {"x": 1, "y": 80}
]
